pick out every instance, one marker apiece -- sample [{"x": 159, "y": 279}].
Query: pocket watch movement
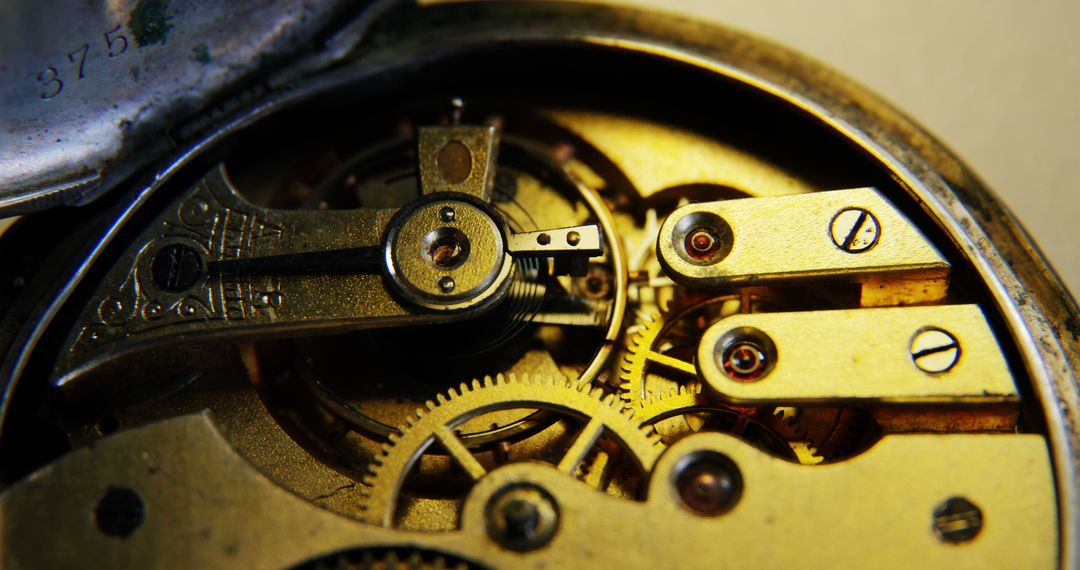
[{"x": 506, "y": 285}]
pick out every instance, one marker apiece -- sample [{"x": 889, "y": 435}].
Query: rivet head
[
  {"x": 447, "y": 214},
  {"x": 708, "y": 483},
  {"x": 573, "y": 238},
  {"x": 446, "y": 284},
  {"x": 522, "y": 517}
]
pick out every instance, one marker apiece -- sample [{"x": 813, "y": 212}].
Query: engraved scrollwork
[{"x": 211, "y": 222}]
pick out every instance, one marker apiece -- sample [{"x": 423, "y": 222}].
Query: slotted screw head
[
  {"x": 934, "y": 350},
  {"x": 957, "y": 520},
  {"x": 855, "y": 230}
]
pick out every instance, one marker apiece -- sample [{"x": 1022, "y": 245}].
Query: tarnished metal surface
[
  {"x": 899, "y": 487},
  {"x": 90, "y": 91},
  {"x": 134, "y": 308}
]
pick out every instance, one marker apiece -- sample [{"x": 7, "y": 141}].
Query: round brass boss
[{"x": 429, "y": 250}]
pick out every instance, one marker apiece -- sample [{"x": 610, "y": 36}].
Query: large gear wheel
[
  {"x": 388, "y": 558},
  {"x": 436, "y": 423}
]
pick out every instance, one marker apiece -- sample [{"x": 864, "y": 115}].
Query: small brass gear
[
  {"x": 388, "y": 558},
  {"x": 651, "y": 346},
  {"x": 663, "y": 389},
  {"x": 814, "y": 435},
  {"x": 436, "y": 423}
]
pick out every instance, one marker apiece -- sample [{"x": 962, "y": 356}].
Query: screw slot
[
  {"x": 957, "y": 520},
  {"x": 176, "y": 267},
  {"x": 855, "y": 230},
  {"x": 934, "y": 350}
]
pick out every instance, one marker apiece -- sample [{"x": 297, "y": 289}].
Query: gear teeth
[
  {"x": 632, "y": 367},
  {"x": 556, "y": 392}
]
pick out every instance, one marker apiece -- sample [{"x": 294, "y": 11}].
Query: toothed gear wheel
[
  {"x": 664, "y": 390},
  {"x": 388, "y": 558},
  {"x": 672, "y": 415},
  {"x": 436, "y": 422},
  {"x": 648, "y": 346}
]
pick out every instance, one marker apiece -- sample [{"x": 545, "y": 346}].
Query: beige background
[{"x": 996, "y": 80}]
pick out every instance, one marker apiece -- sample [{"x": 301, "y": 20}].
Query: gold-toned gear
[
  {"x": 645, "y": 353},
  {"x": 685, "y": 410},
  {"x": 679, "y": 400},
  {"x": 390, "y": 558},
  {"x": 664, "y": 391},
  {"x": 437, "y": 422},
  {"x": 813, "y": 434}
]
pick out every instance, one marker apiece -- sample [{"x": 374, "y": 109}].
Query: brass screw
[
  {"x": 934, "y": 350},
  {"x": 176, "y": 267},
  {"x": 957, "y": 520},
  {"x": 522, "y": 517},
  {"x": 855, "y": 230}
]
